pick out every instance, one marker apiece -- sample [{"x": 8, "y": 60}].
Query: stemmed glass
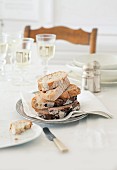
[
  {"x": 3, "y": 52},
  {"x": 13, "y": 41},
  {"x": 46, "y": 49},
  {"x": 22, "y": 59}
]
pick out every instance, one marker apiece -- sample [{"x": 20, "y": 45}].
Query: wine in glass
[
  {"x": 46, "y": 48},
  {"x": 22, "y": 59},
  {"x": 13, "y": 40}
]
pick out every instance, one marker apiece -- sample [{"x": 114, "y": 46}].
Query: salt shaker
[
  {"x": 97, "y": 76},
  {"x": 88, "y": 77}
]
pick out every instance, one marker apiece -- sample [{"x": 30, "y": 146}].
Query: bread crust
[
  {"x": 52, "y": 81},
  {"x": 70, "y": 92}
]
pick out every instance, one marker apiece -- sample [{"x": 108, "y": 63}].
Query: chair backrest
[{"x": 75, "y": 36}]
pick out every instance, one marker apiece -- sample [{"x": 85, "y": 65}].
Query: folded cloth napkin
[
  {"x": 26, "y": 101},
  {"x": 88, "y": 103}
]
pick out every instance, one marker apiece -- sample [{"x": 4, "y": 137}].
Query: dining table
[{"x": 92, "y": 141}]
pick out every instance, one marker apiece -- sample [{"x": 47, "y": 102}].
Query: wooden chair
[{"x": 78, "y": 36}]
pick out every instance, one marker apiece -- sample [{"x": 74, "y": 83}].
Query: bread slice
[
  {"x": 39, "y": 103},
  {"x": 58, "y": 112},
  {"x": 70, "y": 92},
  {"x": 52, "y": 95},
  {"x": 52, "y": 81},
  {"x": 20, "y": 126}
]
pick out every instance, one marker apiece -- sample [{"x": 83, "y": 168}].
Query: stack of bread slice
[{"x": 56, "y": 96}]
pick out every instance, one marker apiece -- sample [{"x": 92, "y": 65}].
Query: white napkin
[
  {"x": 88, "y": 103},
  {"x": 26, "y": 101}
]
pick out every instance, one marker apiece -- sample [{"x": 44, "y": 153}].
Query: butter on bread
[{"x": 19, "y": 126}]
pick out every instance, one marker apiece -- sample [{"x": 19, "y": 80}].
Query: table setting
[
  {"x": 108, "y": 67},
  {"x": 85, "y": 132}
]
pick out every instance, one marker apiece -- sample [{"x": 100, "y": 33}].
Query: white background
[{"x": 84, "y": 14}]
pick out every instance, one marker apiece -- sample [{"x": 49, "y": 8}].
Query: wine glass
[
  {"x": 46, "y": 48},
  {"x": 3, "y": 52},
  {"x": 22, "y": 59},
  {"x": 13, "y": 40}
]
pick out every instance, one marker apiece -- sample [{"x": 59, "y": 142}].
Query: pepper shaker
[
  {"x": 97, "y": 76},
  {"x": 88, "y": 77}
]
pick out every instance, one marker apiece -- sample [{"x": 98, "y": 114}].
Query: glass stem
[{"x": 45, "y": 69}]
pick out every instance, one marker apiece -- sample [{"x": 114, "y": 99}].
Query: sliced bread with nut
[
  {"x": 52, "y": 81},
  {"x": 58, "y": 112},
  {"x": 53, "y": 94},
  {"x": 39, "y": 103}
]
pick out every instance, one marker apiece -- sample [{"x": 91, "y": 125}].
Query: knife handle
[{"x": 60, "y": 145}]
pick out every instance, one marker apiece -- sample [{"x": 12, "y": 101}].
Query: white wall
[
  {"x": 88, "y": 13},
  {"x": 84, "y": 14}
]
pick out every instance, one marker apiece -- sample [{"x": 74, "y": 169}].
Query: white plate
[
  {"x": 106, "y": 75},
  {"x": 77, "y": 81},
  {"x": 7, "y": 139},
  {"x": 109, "y": 83},
  {"x": 107, "y": 61}
]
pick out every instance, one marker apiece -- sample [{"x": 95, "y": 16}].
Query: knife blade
[{"x": 53, "y": 138}]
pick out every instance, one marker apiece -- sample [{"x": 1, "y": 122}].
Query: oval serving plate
[{"x": 20, "y": 110}]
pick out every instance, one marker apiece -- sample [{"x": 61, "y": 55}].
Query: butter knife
[{"x": 53, "y": 138}]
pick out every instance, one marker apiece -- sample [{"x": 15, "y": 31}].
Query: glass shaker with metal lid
[
  {"x": 97, "y": 76},
  {"x": 88, "y": 77}
]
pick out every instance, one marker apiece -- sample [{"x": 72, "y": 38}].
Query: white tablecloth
[{"x": 92, "y": 141}]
